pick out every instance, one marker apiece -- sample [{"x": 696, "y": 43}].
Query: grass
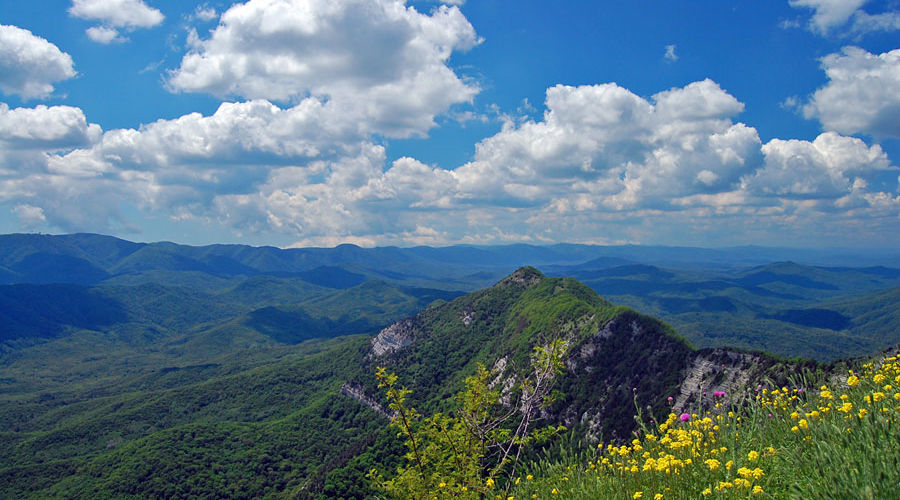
[{"x": 833, "y": 441}]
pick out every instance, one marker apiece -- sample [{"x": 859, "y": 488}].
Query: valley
[{"x": 130, "y": 370}]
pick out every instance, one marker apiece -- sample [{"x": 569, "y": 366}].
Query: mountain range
[{"x": 134, "y": 370}]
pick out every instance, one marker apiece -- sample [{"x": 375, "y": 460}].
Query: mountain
[
  {"x": 280, "y": 420},
  {"x": 615, "y": 355}
]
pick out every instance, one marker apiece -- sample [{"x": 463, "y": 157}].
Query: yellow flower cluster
[
  {"x": 688, "y": 448},
  {"x": 745, "y": 450}
]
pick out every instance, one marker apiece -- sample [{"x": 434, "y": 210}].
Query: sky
[{"x": 384, "y": 122}]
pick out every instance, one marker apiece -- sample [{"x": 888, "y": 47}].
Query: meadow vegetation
[{"x": 838, "y": 440}]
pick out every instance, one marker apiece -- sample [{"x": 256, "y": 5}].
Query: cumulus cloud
[
  {"x": 115, "y": 15},
  {"x": 824, "y": 168},
  {"x": 602, "y": 145},
  {"x": 45, "y": 128},
  {"x": 102, "y": 34},
  {"x": 861, "y": 95},
  {"x": 29, "y": 215},
  {"x": 29, "y": 64},
  {"x": 602, "y": 165},
  {"x": 389, "y": 73}
]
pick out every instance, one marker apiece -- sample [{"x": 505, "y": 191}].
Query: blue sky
[{"x": 377, "y": 122}]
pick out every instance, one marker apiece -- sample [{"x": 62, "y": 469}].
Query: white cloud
[
  {"x": 670, "y": 53},
  {"x": 204, "y": 13},
  {"x": 867, "y": 23},
  {"x": 829, "y": 14},
  {"x": 117, "y": 13},
  {"x": 604, "y": 164},
  {"x": 29, "y": 64},
  {"x": 616, "y": 149},
  {"x": 378, "y": 61},
  {"x": 862, "y": 94},
  {"x": 102, "y": 34},
  {"x": 45, "y": 128},
  {"x": 825, "y": 168},
  {"x": 847, "y": 16},
  {"x": 29, "y": 215}
]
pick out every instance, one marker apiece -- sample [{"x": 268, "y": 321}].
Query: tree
[{"x": 475, "y": 450}]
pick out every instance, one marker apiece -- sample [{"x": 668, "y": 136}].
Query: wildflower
[
  {"x": 554, "y": 491},
  {"x": 707, "y": 492},
  {"x": 757, "y": 490},
  {"x": 685, "y": 417},
  {"x": 852, "y": 380},
  {"x": 803, "y": 424},
  {"x": 753, "y": 455},
  {"x": 490, "y": 482},
  {"x": 712, "y": 463},
  {"x": 529, "y": 477},
  {"x": 658, "y": 496},
  {"x": 638, "y": 494}
]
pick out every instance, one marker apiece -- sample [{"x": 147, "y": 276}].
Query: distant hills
[{"x": 822, "y": 304}]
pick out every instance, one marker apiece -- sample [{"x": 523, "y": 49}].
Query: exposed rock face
[
  {"x": 467, "y": 317},
  {"x": 618, "y": 361},
  {"x": 716, "y": 370},
  {"x": 394, "y": 337},
  {"x": 358, "y": 393}
]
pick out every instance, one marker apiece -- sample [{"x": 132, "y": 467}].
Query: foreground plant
[
  {"x": 834, "y": 442},
  {"x": 476, "y": 451}
]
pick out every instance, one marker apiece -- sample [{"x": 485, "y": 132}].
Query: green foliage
[
  {"x": 476, "y": 451},
  {"x": 839, "y": 440}
]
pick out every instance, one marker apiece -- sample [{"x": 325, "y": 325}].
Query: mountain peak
[{"x": 526, "y": 277}]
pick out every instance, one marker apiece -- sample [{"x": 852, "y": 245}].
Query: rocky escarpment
[
  {"x": 394, "y": 337},
  {"x": 358, "y": 393},
  {"x": 618, "y": 361}
]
